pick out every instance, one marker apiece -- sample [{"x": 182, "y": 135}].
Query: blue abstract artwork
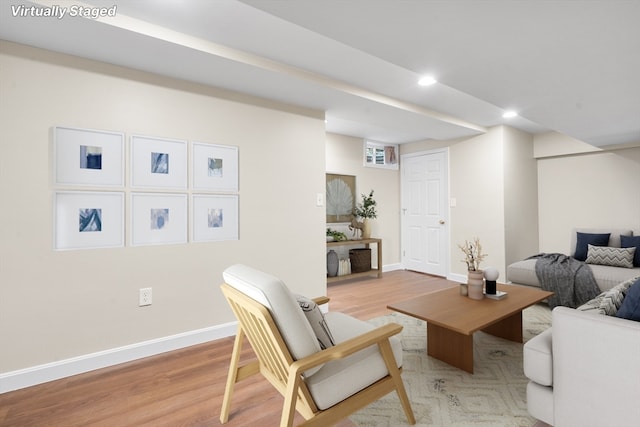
[
  {"x": 90, "y": 157},
  {"x": 160, "y": 163},
  {"x": 215, "y": 218},
  {"x": 215, "y": 167},
  {"x": 90, "y": 220},
  {"x": 159, "y": 218}
]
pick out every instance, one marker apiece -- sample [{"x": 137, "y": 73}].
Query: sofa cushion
[
  {"x": 614, "y": 238},
  {"x": 523, "y": 272},
  {"x": 610, "y": 301},
  {"x": 593, "y": 305},
  {"x": 608, "y": 277},
  {"x": 317, "y": 321},
  {"x": 586, "y": 239},
  {"x": 630, "y": 308},
  {"x": 615, "y": 257},
  {"x": 632, "y": 242}
]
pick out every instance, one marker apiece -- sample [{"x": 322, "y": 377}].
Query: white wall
[
  {"x": 551, "y": 184},
  {"x": 596, "y": 189},
  {"x": 552, "y": 144},
  {"x": 59, "y": 305},
  {"x": 475, "y": 182},
  {"x": 344, "y": 156},
  {"x": 520, "y": 196},
  {"x": 477, "y": 185}
]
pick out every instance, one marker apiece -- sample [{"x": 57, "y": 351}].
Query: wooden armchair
[{"x": 324, "y": 386}]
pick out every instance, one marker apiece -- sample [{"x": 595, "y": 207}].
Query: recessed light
[
  {"x": 427, "y": 81},
  {"x": 509, "y": 114}
]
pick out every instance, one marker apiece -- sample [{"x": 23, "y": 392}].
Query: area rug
[{"x": 442, "y": 396}]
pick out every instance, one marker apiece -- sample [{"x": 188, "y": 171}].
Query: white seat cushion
[
  {"x": 339, "y": 379},
  {"x": 523, "y": 273},
  {"x": 607, "y": 277}
]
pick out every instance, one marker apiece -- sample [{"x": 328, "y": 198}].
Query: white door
[{"x": 425, "y": 229}]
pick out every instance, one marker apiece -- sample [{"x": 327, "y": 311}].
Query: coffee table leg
[
  {"x": 451, "y": 347},
  {"x": 509, "y": 328}
]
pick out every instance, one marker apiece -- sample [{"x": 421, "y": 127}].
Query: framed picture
[
  {"x": 215, "y": 217},
  {"x": 88, "y": 220},
  {"x": 158, "y": 219},
  {"x": 214, "y": 167},
  {"x": 88, "y": 157},
  {"x": 158, "y": 163},
  {"x": 379, "y": 155},
  {"x": 340, "y": 199}
]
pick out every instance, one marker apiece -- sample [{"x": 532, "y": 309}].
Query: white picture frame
[
  {"x": 158, "y": 219},
  {"x": 88, "y": 157},
  {"x": 158, "y": 163},
  {"x": 88, "y": 220},
  {"x": 214, "y": 167},
  {"x": 380, "y": 155},
  {"x": 214, "y": 217}
]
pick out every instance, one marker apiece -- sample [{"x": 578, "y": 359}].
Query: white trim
[
  {"x": 34, "y": 375},
  {"x": 391, "y": 267},
  {"x": 460, "y": 278}
]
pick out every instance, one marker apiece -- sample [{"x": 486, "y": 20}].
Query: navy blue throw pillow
[
  {"x": 586, "y": 239},
  {"x": 632, "y": 242},
  {"x": 630, "y": 308}
]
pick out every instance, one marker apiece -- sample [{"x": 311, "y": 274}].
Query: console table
[{"x": 366, "y": 243}]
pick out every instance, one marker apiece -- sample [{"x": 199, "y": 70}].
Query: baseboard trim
[
  {"x": 460, "y": 278},
  {"x": 391, "y": 267},
  {"x": 40, "y": 374}
]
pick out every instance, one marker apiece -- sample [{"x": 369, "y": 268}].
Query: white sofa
[
  {"x": 584, "y": 371},
  {"x": 524, "y": 272}
]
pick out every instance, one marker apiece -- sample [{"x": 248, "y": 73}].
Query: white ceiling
[{"x": 570, "y": 66}]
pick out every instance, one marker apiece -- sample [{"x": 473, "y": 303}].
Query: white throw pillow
[
  {"x": 317, "y": 321},
  {"x": 608, "y": 302},
  {"x": 614, "y": 257}
]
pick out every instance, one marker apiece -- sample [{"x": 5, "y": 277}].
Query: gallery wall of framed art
[{"x": 168, "y": 191}]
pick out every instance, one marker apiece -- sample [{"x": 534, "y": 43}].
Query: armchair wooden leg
[
  {"x": 290, "y": 400},
  {"x": 390, "y": 360},
  {"x": 232, "y": 377}
]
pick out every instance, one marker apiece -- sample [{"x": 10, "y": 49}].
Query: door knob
[{"x": 441, "y": 222}]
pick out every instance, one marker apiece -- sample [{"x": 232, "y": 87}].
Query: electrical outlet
[{"x": 144, "y": 297}]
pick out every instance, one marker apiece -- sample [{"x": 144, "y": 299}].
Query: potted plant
[
  {"x": 366, "y": 210},
  {"x": 473, "y": 258},
  {"x": 333, "y": 235}
]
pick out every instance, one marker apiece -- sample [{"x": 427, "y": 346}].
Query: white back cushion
[{"x": 274, "y": 294}]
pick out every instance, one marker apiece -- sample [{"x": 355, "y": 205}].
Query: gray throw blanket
[{"x": 571, "y": 280}]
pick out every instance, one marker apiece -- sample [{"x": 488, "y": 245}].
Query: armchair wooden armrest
[
  {"x": 345, "y": 348},
  {"x": 321, "y": 300}
]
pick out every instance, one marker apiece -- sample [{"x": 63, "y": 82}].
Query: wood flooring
[{"x": 185, "y": 387}]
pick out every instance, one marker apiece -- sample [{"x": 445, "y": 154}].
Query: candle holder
[{"x": 490, "y": 276}]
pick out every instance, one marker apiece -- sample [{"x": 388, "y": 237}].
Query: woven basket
[{"x": 360, "y": 260}]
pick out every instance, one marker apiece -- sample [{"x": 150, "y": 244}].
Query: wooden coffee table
[{"x": 452, "y": 319}]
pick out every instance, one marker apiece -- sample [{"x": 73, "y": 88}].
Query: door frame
[{"x": 447, "y": 210}]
